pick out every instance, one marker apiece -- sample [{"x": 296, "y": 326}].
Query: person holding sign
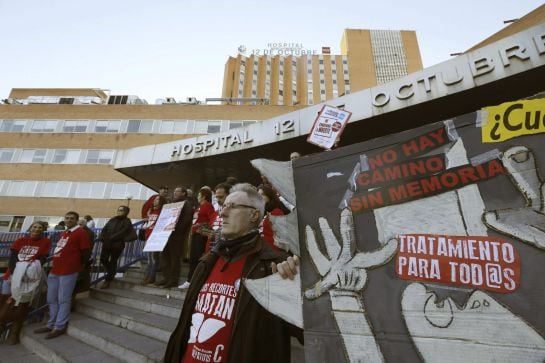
[
  {"x": 179, "y": 225},
  {"x": 203, "y": 218},
  {"x": 220, "y": 320},
  {"x": 154, "y": 256}
]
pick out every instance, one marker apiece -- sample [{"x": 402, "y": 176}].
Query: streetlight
[{"x": 129, "y": 197}]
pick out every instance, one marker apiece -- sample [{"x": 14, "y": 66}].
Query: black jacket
[
  {"x": 116, "y": 231},
  {"x": 257, "y": 335}
]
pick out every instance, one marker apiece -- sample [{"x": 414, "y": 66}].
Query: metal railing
[{"x": 130, "y": 256}]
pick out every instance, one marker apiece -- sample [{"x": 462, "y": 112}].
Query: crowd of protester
[{"x": 198, "y": 231}]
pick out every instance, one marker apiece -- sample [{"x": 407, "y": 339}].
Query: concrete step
[
  {"x": 150, "y": 289},
  {"x": 140, "y": 273},
  {"x": 18, "y": 353},
  {"x": 164, "y": 306},
  {"x": 152, "y": 325},
  {"x": 63, "y": 349},
  {"x": 121, "y": 343}
]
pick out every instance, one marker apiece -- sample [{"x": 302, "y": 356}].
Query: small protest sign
[
  {"x": 328, "y": 126},
  {"x": 163, "y": 227}
]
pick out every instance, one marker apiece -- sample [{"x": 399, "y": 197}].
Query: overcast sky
[{"x": 175, "y": 48}]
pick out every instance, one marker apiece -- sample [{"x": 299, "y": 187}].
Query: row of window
[
  {"x": 122, "y": 126},
  {"x": 68, "y": 189},
  {"x": 57, "y": 156},
  {"x": 388, "y": 55}
]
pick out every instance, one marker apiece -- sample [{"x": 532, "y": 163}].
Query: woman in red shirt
[
  {"x": 202, "y": 219},
  {"x": 24, "y": 249},
  {"x": 274, "y": 207}
]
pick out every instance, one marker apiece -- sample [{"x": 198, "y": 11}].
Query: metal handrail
[{"x": 131, "y": 254}]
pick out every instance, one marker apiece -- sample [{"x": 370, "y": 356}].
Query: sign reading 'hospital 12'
[
  {"x": 225, "y": 142},
  {"x": 479, "y": 262}
]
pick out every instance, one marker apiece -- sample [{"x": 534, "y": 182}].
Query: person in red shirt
[
  {"x": 221, "y": 192},
  {"x": 153, "y": 257},
  {"x": 220, "y": 320},
  {"x": 163, "y": 193},
  {"x": 70, "y": 255},
  {"x": 273, "y": 207},
  {"x": 202, "y": 218},
  {"x": 25, "y": 249}
]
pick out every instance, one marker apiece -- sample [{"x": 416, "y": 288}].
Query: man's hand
[{"x": 286, "y": 269}]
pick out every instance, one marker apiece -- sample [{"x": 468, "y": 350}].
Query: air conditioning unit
[
  {"x": 170, "y": 100},
  {"x": 192, "y": 100}
]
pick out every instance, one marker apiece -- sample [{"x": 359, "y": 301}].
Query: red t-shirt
[
  {"x": 152, "y": 219},
  {"x": 205, "y": 214},
  {"x": 214, "y": 314},
  {"x": 265, "y": 229},
  {"x": 217, "y": 222},
  {"x": 67, "y": 254},
  {"x": 29, "y": 250},
  {"x": 148, "y": 205}
]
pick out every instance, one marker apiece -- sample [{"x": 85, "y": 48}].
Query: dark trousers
[
  {"x": 170, "y": 258},
  {"x": 109, "y": 257},
  {"x": 196, "y": 250}
]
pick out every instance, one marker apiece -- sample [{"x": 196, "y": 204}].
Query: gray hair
[{"x": 253, "y": 196}]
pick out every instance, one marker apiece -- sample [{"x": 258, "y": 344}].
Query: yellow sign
[{"x": 512, "y": 119}]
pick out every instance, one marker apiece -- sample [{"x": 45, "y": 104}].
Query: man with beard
[
  {"x": 220, "y": 320},
  {"x": 71, "y": 253}
]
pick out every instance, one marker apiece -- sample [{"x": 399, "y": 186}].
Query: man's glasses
[{"x": 237, "y": 206}]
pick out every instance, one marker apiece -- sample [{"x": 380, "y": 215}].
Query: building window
[
  {"x": 90, "y": 190},
  {"x": 43, "y": 126},
  {"x": 346, "y": 82},
  {"x": 99, "y": 157},
  {"x": 107, "y": 126},
  {"x": 213, "y": 127},
  {"x": 173, "y": 127},
  {"x": 66, "y": 157},
  {"x": 321, "y": 71},
  {"x": 345, "y": 61},
  {"x": 321, "y": 61},
  {"x": 55, "y": 189},
  {"x": 334, "y": 71},
  {"x": 6, "y": 155},
  {"x": 19, "y": 188},
  {"x": 75, "y": 126},
  {"x": 12, "y": 126},
  {"x": 33, "y": 156},
  {"x": 322, "y": 91},
  {"x": 140, "y": 126},
  {"x": 122, "y": 191}
]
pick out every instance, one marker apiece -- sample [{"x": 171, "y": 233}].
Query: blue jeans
[
  {"x": 153, "y": 264},
  {"x": 59, "y": 298},
  {"x": 6, "y": 287}
]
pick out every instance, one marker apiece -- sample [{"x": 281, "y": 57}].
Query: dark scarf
[{"x": 228, "y": 249}]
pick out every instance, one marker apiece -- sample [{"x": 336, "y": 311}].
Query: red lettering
[
  {"x": 409, "y": 148},
  {"x": 495, "y": 168},
  {"x": 414, "y": 189},
  {"x": 397, "y": 193},
  {"x": 363, "y": 179},
  {"x": 449, "y": 180},
  {"x": 430, "y": 185},
  {"x": 467, "y": 175}
]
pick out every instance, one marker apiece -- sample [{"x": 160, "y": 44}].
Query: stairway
[{"x": 128, "y": 322}]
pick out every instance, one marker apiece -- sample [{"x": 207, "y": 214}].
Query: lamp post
[{"x": 129, "y": 198}]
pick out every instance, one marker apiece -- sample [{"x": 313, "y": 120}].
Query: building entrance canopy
[{"x": 509, "y": 69}]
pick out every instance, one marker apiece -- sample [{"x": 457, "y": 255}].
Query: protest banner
[{"x": 163, "y": 227}]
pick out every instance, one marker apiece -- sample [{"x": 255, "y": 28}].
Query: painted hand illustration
[
  {"x": 526, "y": 223},
  {"x": 339, "y": 269},
  {"x": 344, "y": 276}
]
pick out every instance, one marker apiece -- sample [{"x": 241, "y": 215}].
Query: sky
[{"x": 176, "y": 48}]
